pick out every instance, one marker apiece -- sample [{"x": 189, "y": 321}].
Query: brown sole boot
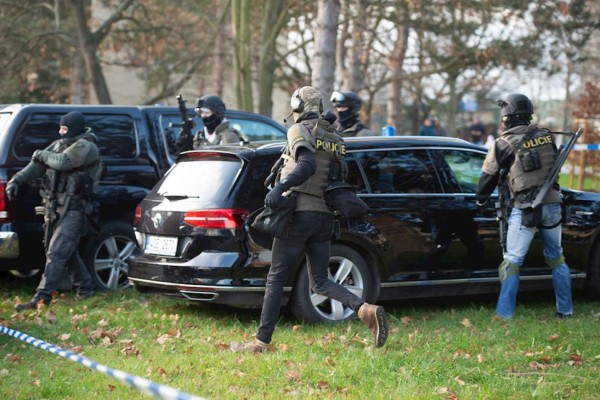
[{"x": 374, "y": 317}]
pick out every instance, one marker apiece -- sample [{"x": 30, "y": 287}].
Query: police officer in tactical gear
[
  {"x": 217, "y": 130},
  {"x": 347, "y": 106},
  {"x": 70, "y": 168},
  {"x": 522, "y": 157},
  {"x": 312, "y": 146}
]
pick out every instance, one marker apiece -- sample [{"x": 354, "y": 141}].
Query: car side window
[
  {"x": 399, "y": 171},
  {"x": 115, "y": 133},
  {"x": 354, "y": 176},
  {"x": 37, "y": 133},
  {"x": 255, "y": 131},
  {"x": 466, "y": 167}
]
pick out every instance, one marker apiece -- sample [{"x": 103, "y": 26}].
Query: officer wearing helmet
[
  {"x": 70, "y": 168},
  {"x": 217, "y": 130},
  {"x": 522, "y": 157},
  {"x": 313, "y": 146},
  {"x": 347, "y": 107}
]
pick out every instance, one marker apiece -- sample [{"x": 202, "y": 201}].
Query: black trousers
[
  {"x": 309, "y": 232},
  {"x": 63, "y": 253}
]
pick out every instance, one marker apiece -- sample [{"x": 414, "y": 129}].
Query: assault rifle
[
  {"x": 503, "y": 209},
  {"x": 186, "y": 139},
  {"x": 559, "y": 160},
  {"x": 50, "y": 208}
]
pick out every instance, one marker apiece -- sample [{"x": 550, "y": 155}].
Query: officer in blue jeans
[{"x": 526, "y": 153}]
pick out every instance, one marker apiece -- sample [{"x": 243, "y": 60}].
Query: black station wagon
[{"x": 423, "y": 236}]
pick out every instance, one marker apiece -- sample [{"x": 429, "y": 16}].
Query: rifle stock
[{"x": 561, "y": 157}]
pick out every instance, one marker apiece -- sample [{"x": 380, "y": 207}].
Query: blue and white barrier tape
[
  {"x": 586, "y": 147},
  {"x": 141, "y": 384}
]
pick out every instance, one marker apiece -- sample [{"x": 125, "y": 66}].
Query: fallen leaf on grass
[
  {"x": 111, "y": 388},
  {"x": 64, "y": 337},
  {"x": 50, "y": 316},
  {"x": 552, "y": 338},
  {"x": 480, "y": 358},
  {"x": 296, "y": 328},
  {"x": 283, "y": 347},
  {"x": 37, "y": 382},
  {"x": 330, "y": 361},
  {"x": 103, "y": 323},
  {"x": 545, "y": 359},
  {"x": 458, "y": 380},
  {"x": 536, "y": 365},
  {"x": 293, "y": 375},
  {"x": 13, "y": 357},
  {"x": 77, "y": 349},
  {"x": 4, "y": 372},
  {"x": 467, "y": 324},
  {"x": 575, "y": 359},
  {"x": 406, "y": 320},
  {"x": 322, "y": 385},
  {"x": 222, "y": 346},
  {"x": 162, "y": 372}
]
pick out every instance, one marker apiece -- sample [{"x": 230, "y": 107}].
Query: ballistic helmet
[
  {"x": 75, "y": 123},
  {"x": 306, "y": 99},
  {"x": 515, "y": 104},
  {"x": 213, "y": 103},
  {"x": 346, "y": 99}
]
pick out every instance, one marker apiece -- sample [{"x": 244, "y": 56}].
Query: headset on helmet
[
  {"x": 296, "y": 102},
  {"x": 515, "y": 104},
  {"x": 346, "y": 99},
  {"x": 213, "y": 103}
]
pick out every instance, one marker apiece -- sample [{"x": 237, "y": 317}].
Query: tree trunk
[
  {"x": 323, "y": 70},
  {"x": 395, "y": 62},
  {"x": 240, "y": 10},
  {"x": 272, "y": 22},
  {"x": 88, "y": 46}
]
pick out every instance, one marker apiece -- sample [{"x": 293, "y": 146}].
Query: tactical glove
[
  {"x": 39, "y": 157},
  {"x": 12, "y": 189},
  {"x": 273, "y": 198}
]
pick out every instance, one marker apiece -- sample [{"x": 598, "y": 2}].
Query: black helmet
[
  {"x": 346, "y": 99},
  {"x": 213, "y": 103},
  {"x": 515, "y": 104}
]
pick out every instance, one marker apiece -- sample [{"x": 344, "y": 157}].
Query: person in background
[
  {"x": 427, "y": 128},
  {"x": 313, "y": 145},
  {"x": 71, "y": 169},
  {"x": 477, "y": 131},
  {"x": 347, "y": 107},
  {"x": 522, "y": 157},
  {"x": 217, "y": 130}
]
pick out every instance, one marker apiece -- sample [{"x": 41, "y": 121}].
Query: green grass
[{"x": 450, "y": 349}]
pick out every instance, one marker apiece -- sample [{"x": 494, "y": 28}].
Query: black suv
[
  {"x": 423, "y": 236},
  {"x": 137, "y": 146}
]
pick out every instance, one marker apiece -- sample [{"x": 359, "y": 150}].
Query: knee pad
[
  {"x": 507, "y": 269},
  {"x": 555, "y": 262}
]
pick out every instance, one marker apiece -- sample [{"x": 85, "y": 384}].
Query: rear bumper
[
  {"x": 210, "y": 281},
  {"x": 9, "y": 245}
]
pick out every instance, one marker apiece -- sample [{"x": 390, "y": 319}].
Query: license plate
[{"x": 161, "y": 245}]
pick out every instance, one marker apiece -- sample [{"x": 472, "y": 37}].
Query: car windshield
[{"x": 207, "y": 178}]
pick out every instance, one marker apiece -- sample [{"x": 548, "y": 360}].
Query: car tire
[
  {"x": 310, "y": 307},
  {"x": 106, "y": 255},
  {"x": 592, "y": 281}
]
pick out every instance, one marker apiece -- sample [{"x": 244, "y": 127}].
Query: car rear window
[{"x": 206, "y": 178}]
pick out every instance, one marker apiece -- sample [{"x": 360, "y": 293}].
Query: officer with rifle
[
  {"x": 526, "y": 162},
  {"x": 216, "y": 130},
  {"x": 70, "y": 168}
]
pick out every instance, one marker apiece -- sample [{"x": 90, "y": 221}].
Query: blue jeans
[
  {"x": 518, "y": 240},
  {"x": 309, "y": 232}
]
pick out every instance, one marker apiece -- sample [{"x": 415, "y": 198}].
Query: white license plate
[{"x": 162, "y": 245}]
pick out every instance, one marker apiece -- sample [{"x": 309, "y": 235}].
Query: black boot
[{"x": 34, "y": 304}]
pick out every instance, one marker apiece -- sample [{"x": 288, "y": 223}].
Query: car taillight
[
  {"x": 3, "y": 204},
  {"x": 137, "y": 216},
  {"x": 223, "y": 218}
]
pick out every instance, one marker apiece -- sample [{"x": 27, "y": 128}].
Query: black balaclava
[
  {"x": 347, "y": 118},
  {"x": 211, "y": 122},
  {"x": 75, "y": 123}
]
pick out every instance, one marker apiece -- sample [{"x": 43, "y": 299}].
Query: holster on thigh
[{"x": 507, "y": 269}]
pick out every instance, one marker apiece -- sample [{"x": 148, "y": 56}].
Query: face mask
[
  {"x": 346, "y": 117},
  {"x": 211, "y": 122}
]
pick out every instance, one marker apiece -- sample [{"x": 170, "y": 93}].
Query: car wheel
[
  {"x": 347, "y": 268},
  {"x": 592, "y": 280},
  {"x": 106, "y": 255}
]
